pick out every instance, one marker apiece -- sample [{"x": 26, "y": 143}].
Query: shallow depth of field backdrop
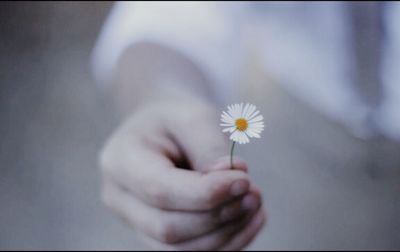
[{"x": 53, "y": 121}]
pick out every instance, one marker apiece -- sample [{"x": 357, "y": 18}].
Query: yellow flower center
[{"x": 241, "y": 124}]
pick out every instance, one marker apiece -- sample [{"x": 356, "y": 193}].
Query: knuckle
[
  {"x": 111, "y": 151},
  {"x": 105, "y": 159},
  {"x": 167, "y": 233},
  {"x": 158, "y": 196},
  {"x": 210, "y": 198},
  {"x": 108, "y": 200},
  {"x": 211, "y": 193}
]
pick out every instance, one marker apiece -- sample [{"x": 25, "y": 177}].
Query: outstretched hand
[{"x": 166, "y": 173}]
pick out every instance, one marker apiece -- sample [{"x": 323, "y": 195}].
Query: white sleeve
[{"x": 203, "y": 31}]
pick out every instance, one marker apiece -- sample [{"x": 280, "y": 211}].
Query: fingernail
[
  {"x": 239, "y": 187},
  {"x": 250, "y": 202}
]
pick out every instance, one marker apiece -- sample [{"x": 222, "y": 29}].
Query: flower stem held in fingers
[{"x": 233, "y": 146}]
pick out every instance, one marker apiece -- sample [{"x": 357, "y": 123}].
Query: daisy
[{"x": 243, "y": 123}]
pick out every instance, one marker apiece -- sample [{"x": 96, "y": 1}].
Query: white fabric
[
  {"x": 200, "y": 30},
  {"x": 303, "y": 45}
]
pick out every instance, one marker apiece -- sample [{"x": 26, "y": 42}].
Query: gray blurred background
[{"x": 53, "y": 121}]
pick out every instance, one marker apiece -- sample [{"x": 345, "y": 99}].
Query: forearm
[{"x": 149, "y": 72}]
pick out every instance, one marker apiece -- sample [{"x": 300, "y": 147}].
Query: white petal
[
  {"x": 246, "y": 108},
  {"x": 238, "y": 111},
  {"x": 232, "y": 111},
  {"x": 239, "y": 137},
  {"x": 227, "y": 124},
  {"x": 250, "y": 111},
  {"x": 252, "y": 133},
  {"x": 256, "y": 119},
  {"x": 257, "y": 130},
  {"x": 256, "y": 125},
  {"x": 226, "y": 115},
  {"x": 235, "y": 136},
  {"x": 227, "y": 119},
  {"x": 230, "y": 129},
  {"x": 254, "y": 114},
  {"x": 241, "y": 109},
  {"x": 242, "y": 138}
]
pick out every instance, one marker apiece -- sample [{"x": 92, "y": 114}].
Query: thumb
[
  {"x": 224, "y": 163},
  {"x": 204, "y": 144}
]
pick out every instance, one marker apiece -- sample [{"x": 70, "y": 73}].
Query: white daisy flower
[{"x": 242, "y": 122}]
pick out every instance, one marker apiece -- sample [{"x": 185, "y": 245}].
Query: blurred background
[{"x": 53, "y": 122}]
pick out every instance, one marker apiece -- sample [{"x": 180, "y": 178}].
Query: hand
[{"x": 161, "y": 174}]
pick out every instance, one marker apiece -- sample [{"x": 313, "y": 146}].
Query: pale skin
[{"x": 165, "y": 169}]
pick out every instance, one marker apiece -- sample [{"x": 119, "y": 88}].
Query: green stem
[{"x": 233, "y": 146}]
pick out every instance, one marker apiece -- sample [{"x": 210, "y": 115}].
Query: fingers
[
  {"x": 245, "y": 236},
  {"x": 176, "y": 189},
  {"x": 154, "y": 179},
  {"x": 175, "y": 226},
  {"x": 211, "y": 241},
  {"x": 224, "y": 236},
  {"x": 216, "y": 239}
]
